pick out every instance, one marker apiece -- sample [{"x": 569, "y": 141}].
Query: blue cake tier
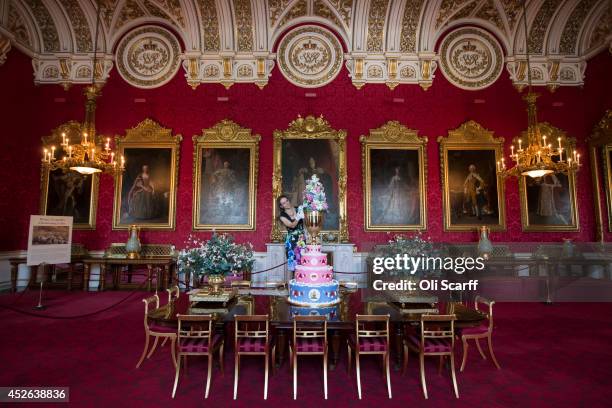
[
  {"x": 330, "y": 312},
  {"x": 313, "y": 294}
]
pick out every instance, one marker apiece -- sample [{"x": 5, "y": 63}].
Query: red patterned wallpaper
[{"x": 29, "y": 112}]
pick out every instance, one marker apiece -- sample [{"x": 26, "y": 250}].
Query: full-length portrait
[
  {"x": 225, "y": 178},
  {"x": 69, "y": 193},
  {"x": 473, "y": 192},
  {"x": 394, "y": 178},
  {"x": 145, "y": 193}
]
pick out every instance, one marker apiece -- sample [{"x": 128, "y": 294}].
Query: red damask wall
[{"x": 29, "y": 112}]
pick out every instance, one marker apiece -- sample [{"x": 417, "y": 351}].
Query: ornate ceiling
[{"x": 384, "y": 41}]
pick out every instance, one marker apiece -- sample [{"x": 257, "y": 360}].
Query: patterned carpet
[{"x": 551, "y": 356}]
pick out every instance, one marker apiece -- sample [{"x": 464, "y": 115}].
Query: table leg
[
  {"x": 149, "y": 276},
  {"x": 70, "y": 275},
  {"x": 86, "y": 271},
  {"x": 335, "y": 354},
  {"x": 129, "y": 274},
  {"x": 399, "y": 336},
  {"x": 14, "y": 270},
  {"x": 102, "y": 284},
  {"x": 281, "y": 344}
]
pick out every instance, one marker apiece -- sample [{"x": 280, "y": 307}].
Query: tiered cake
[{"x": 313, "y": 285}]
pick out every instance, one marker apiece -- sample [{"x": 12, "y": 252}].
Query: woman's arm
[{"x": 288, "y": 223}]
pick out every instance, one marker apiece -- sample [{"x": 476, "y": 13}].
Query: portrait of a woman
[
  {"x": 142, "y": 203},
  {"x": 294, "y": 223}
]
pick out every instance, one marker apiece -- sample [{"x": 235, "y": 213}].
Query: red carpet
[{"x": 551, "y": 356}]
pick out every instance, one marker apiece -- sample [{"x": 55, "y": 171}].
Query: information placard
[{"x": 49, "y": 240}]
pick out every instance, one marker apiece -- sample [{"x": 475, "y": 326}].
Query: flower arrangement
[
  {"x": 220, "y": 255},
  {"x": 413, "y": 246},
  {"x": 314, "y": 195}
]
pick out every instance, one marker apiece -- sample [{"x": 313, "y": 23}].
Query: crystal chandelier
[
  {"x": 539, "y": 157},
  {"x": 92, "y": 154}
]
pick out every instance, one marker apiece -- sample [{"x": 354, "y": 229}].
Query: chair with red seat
[
  {"x": 309, "y": 338},
  {"x": 371, "y": 337},
  {"x": 156, "y": 331},
  {"x": 484, "y": 331},
  {"x": 252, "y": 338},
  {"x": 196, "y": 337},
  {"x": 437, "y": 339}
]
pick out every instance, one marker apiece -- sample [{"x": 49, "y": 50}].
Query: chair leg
[
  {"x": 210, "y": 363},
  {"x": 173, "y": 350},
  {"x": 294, "y": 364},
  {"x": 405, "y": 362},
  {"x": 482, "y": 354},
  {"x": 176, "y": 376},
  {"x": 465, "y": 352},
  {"x": 452, "y": 364},
  {"x": 273, "y": 360},
  {"x": 266, "y": 377},
  {"x": 423, "y": 384},
  {"x": 440, "y": 363},
  {"x": 236, "y": 374},
  {"x": 164, "y": 342},
  {"x": 492, "y": 354},
  {"x": 221, "y": 358},
  {"x": 358, "y": 373},
  {"x": 144, "y": 352},
  {"x": 350, "y": 358},
  {"x": 388, "y": 375},
  {"x": 325, "y": 374},
  {"x": 153, "y": 347}
]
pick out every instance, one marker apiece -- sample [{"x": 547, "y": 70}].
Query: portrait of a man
[
  {"x": 301, "y": 159},
  {"x": 71, "y": 194}
]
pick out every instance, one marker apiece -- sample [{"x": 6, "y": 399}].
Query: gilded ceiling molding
[
  {"x": 243, "y": 23},
  {"x": 490, "y": 13},
  {"x": 569, "y": 37},
  {"x": 344, "y": 8},
  {"x": 210, "y": 25},
  {"x": 299, "y": 9},
  {"x": 512, "y": 10},
  {"x": 410, "y": 23},
  {"x": 80, "y": 27},
  {"x": 450, "y": 8},
  {"x": 376, "y": 25},
  {"x": 17, "y": 26},
  {"x": 322, "y": 10},
  {"x": 131, "y": 10},
  {"x": 5, "y": 47},
  {"x": 46, "y": 25},
  {"x": 275, "y": 10},
  {"x": 602, "y": 29},
  {"x": 107, "y": 11},
  {"x": 540, "y": 24}
]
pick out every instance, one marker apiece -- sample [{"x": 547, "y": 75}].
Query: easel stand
[{"x": 40, "y": 306}]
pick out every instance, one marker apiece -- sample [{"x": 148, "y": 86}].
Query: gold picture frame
[
  {"x": 569, "y": 217},
  {"x": 80, "y": 192},
  {"x": 154, "y": 207},
  {"x": 393, "y": 136},
  {"x": 607, "y": 153},
  {"x": 229, "y": 143},
  {"x": 304, "y": 134},
  {"x": 475, "y": 150}
]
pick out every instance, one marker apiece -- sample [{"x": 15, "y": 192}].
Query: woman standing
[{"x": 295, "y": 231}]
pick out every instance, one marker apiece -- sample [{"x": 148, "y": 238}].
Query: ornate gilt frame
[
  {"x": 552, "y": 133},
  {"x": 393, "y": 136},
  {"x": 310, "y": 128},
  {"x": 226, "y": 135},
  {"x": 470, "y": 136},
  {"x": 73, "y": 131},
  {"x": 149, "y": 134},
  {"x": 607, "y": 151},
  {"x": 601, "y": 137}
]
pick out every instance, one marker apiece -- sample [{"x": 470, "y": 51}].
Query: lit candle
[
  {"x": 559, "y": 140},
  {"x": 539, "y": 156},
  {"x": 44, "y": 154},
  {"x": 569, "y": 162},
  {"x": 64, "y": 139},
  {"x": 512, "y": 151},
  {"x": 85, "y": 136},
  {"x": 70, "y": 152},
  {"x": 53, "y": 153},
  {"x": 519, "y": 149},
  {"x": 113, "y": 158},
  {"x": 543, "y": 140},
  {"x": 64, "y": 159},
  {"x": 560, "y": 154},
  {"x": 574, "y": 155},
  {"x": 122, "y": 161},
  {"x": 107, "y": 144},
  {"x": 93, "y": 152},
  {"x": 578, "y": 159}
]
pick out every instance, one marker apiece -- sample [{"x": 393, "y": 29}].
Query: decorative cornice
[{"x": 5, "y": 47}]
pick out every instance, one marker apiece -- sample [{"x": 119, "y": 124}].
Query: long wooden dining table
[{"x": 273, "y": 302}]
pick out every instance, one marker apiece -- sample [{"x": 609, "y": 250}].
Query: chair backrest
[
  {"x": 489, "y": 303},
  {"x": 173, "y": 293},
  {"x": 195, "y": 327},
  {"x": 372, "y": 326},
  {"x": 438, "y": 327},
  {"x": 309, "y": 327},
  {"x": 152, "y": 300},
  {"x": 251, "y": 326}
]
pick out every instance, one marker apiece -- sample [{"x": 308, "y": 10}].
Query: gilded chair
[
  {"x": 156, "y": 331},
  {"x": 371, "y": 337},
  {"x": 252, "y": 338},
  {"x": 196, "y": 337},
  {"x": 173, "y": 293},
  {"x": 309, "y": 338},
  {"x": 484, "y": 331},
  {"x": 437, "y": 339}
]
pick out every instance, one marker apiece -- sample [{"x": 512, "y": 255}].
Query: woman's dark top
[{"x": 299, "y": 226}]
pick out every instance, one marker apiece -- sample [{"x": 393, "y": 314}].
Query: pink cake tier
[{"x": 313, "y": 267}]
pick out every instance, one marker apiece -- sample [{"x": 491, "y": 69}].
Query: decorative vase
[
  {"x": 485, "y": 247},
  {"x": 132, "y": 246},
  {"x": 568, "y": 247},
  {"x": 314, "y": 222},
  {"x": 216, "y": 284}
]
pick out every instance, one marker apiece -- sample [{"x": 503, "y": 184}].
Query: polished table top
[{"x": 274, "y": 303}]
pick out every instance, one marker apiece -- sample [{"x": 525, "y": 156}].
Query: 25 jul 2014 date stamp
[{"x": 34, "y": 394}]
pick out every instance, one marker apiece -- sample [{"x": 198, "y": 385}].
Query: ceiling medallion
[
  {"x": 148, "y": 57},
  {"x": 310, "y": 56},
  {"x": 471, "y": 58}
]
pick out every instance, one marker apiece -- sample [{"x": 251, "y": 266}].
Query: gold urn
[
  {"x": 216, "y": 284},
  {"x": 314, "y": 223}
]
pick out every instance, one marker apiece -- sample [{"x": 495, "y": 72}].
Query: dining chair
[
  {"x": 156, "y": 331},
  {"x": 309, "y": 338},
  {"x": 196, "y": 337},
  {"x": 484, "y": 331},
  {"x": 173, "y": 293},
  {"x": 437, "y": 339},
  {"x": 252, "y": 338},
  {"x": 371, "y": 337}
]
